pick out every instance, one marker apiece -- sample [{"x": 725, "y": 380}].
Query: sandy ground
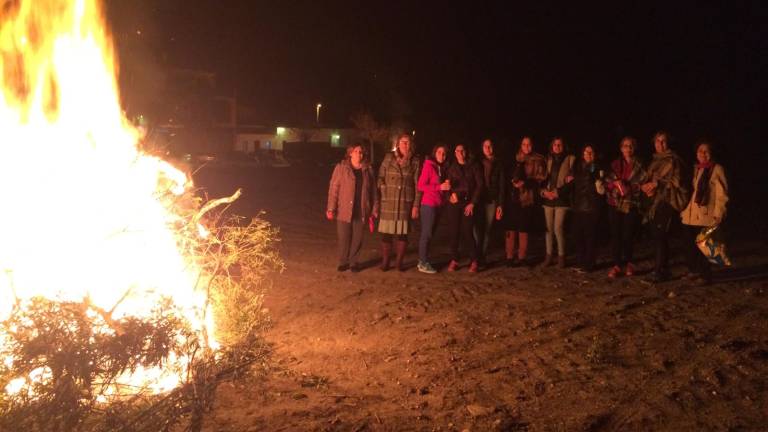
[{"x": 507, "y": 349}]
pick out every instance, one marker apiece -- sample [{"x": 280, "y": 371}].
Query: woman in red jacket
[
  {"x": 432, "y": 185},
  {"x": 622, "y": 187}
]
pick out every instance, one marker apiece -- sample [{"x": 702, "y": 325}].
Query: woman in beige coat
[
  {"x": 705, "y": 209},
  {"x": 352, "y": 199}
]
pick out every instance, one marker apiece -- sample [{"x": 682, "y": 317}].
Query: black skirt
[{"x": 523, "y": 219}]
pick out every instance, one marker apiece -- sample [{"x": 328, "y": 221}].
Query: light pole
[{"x": 319, "y": 105}]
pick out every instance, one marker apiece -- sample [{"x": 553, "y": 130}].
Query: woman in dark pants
[
  {"x": 352, "y": 198},
  {"x": 706, "y": 208},
  {"x": 668, "y": 196},
  {"x": 466, "y": 180},
  {"x": 588, "y": 191},
  {"x": 622, "y": 185},
  {"x": 492, "y": 198}
]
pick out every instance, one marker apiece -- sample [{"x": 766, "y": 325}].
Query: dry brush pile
[{"x": 82, "y": 351}]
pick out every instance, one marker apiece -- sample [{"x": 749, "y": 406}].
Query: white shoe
[{"x": 426, "y": 267}]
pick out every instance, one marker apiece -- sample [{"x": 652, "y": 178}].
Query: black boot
[
  {"x": 386, "y": 251},
  {"x": 401, "y": 245}
]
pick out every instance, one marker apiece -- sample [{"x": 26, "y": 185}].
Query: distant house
[
  {"x": 249, "y": 139},
  {"x": 194, "y": 117}
]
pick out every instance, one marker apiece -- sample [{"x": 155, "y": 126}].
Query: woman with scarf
[
  {"x": 520, "y": 212},
  {"x": 555, "y": 199},
  {"x": 622, "y": 185},
  {"x": 667, "y": 195},
  {"x": 588, "y": 191},
  {"x": 466, "y": 179},
  {"x": 400, "y": 200},
  {"x": 705, "y": 209},
  {"x": 352, "y": 199},
  {"x": 432, "y": 186}
]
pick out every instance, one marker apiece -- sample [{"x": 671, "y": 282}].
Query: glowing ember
[{"x": 86, "y": 215}]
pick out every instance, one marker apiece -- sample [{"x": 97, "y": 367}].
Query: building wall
[{"x": 249, "y": 142}]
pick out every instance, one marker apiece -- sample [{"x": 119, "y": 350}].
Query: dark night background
[{"x": 585, "y": 71}]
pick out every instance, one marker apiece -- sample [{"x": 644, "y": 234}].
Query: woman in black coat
[
  {"x": 587, "y": 199},
  {"x": 466, "y": 180}
]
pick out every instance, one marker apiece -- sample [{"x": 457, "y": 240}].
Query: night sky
[{"x": 586, "y": 72}]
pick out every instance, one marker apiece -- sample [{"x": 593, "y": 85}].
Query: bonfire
[{"x": 118, "y": 284}]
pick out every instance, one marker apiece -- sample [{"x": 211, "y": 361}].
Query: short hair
[
  {"x": 710, "y": 145},
  {"x": 631, "y": 140},
  {"x": 351, "y": 148}
]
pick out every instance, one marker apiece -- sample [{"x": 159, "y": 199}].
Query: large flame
[{"x": 80, "y": 218}]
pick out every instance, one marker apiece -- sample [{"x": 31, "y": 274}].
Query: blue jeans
[
  {"x": 483, "y": 232},
  {"x": 427, "y": 214}
]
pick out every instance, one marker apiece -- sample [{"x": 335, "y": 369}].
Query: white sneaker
[{"x": 426, "y": 267}]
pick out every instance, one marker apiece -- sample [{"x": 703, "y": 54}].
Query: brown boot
[
  {"x": 400, "y": 247},
  {"x": 522, "y": 252},
  {"x": 561, "y": 261},
  {"x": 509, "y": 245},
  {"x": 547, "y": 261},
  {"x": 386, "y": 251}
]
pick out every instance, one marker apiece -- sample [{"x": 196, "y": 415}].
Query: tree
[{"x": 373, "y": 133}]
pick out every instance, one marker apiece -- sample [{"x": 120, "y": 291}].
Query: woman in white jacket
[{"x": 706, "y": 208}]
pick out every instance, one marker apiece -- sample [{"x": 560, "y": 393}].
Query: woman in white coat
[{"x": 706, "y": 208}]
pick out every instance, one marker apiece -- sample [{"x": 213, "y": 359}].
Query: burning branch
[{"x": 212, "y": 204}]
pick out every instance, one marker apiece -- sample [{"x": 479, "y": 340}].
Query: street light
[{"x": 319, "y": 105}]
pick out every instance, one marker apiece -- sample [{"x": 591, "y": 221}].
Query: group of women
[{"x": 472, "y": 196}]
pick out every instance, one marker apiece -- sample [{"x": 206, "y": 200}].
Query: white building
[{"x": 249, "y": 139}]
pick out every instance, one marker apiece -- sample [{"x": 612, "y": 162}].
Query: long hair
[
  {"x": 519, "y": 156},
  {"x": 433, "y": 153},
  {"x": 584, "y": 148},
  {"x": 467, "y": 154},
  {"x": 566, "y": 149},
  {"x": 397, "y": 145}
]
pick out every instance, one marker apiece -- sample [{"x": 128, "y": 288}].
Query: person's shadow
[{"x": 739, "y": 274}]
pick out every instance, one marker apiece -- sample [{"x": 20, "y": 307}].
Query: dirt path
[{"x": 506, "y": 349}]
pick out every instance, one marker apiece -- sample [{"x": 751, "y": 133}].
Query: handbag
[{"x": 711, "y": 244}]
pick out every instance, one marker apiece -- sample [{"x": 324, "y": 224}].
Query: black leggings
[
  {"x": 622, "y": 235},
  {"x": 585, "y": 224},
  {"x": 661, "y": 226},
  {"x": 461, "y": 227}
]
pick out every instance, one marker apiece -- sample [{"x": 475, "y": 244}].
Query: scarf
[
  {"x": 666, "y": 169},
  {"x": 625, "y": 170},
  {"x": 557, "y": 160},
  {"x": 702, "y": 187},
  {"x": 487, "y": 168}
]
